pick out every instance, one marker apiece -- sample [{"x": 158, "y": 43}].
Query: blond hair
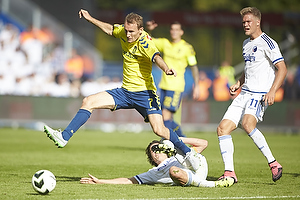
[
  {"x": 132, "y": 18},
  {"x": 251, "y": 10}
]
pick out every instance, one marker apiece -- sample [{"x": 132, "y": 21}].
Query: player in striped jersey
[
  {"x": 179, "y": 54},
  {"x": 259, "y": 83},
  {"x": 138, "y": 90}
]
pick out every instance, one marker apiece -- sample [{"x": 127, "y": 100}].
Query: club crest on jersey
[
  {"x": 254, "y": 49},
  {"x": 134, "y": 50},
  {"x": 148, "y": 36}
]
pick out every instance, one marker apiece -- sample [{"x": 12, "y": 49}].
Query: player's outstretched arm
[
  {"x": 198, "y": 144},
  {"x": 93, "y": 180},
  {"x": 105, "y": 27},
  {"x": 163, "y": 66}
]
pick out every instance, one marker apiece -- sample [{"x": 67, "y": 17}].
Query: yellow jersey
[
  {"x": 177, "y": 56},
  {"x": 137, "y": 60}
]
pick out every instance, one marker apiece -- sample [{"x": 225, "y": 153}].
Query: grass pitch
[{"x": 112, "y": 155}]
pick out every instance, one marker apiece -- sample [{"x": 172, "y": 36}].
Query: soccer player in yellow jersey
[
  {"x": 138, "y": 90},
  {"x": 178, "y": 54}
]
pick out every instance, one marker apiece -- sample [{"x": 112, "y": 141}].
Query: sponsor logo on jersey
[
  {"x": 248, "y": 57},
  {"x": 129, "y": 55}
]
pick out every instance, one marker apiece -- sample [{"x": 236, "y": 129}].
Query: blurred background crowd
[
  {"x": 33, "y": 62},
  {"x": 33, "y": 65}
]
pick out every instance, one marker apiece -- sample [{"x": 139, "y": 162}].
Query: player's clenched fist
[{"x": 171, "y": 72}]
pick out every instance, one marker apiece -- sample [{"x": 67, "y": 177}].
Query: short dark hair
[
  {"x": 148, "y": 153},
  {"x": 252, "y": 10},
  {"x": 135, "y": 18},
  {"x": 176, "y": 23}
]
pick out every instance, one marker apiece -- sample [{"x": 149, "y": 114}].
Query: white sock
[
  {"x": 205, "y": 183},
  {"x": 227, "y": 149},
  {"x": 198, "y": 182},
  {"x": 260, "y": 141}
]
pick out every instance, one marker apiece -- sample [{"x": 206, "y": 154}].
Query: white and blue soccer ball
[
  {"x": 43, "y": 181},
  {"x": 168, "y": 143}
]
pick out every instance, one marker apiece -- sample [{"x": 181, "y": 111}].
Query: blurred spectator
[
  {"x": 57, "y": 59},
  {"x": 7, "y": 80},
  {"x": 204, "y": 84},
  {"x": 289, "y": 86},
  {"x": 104, "y": 83},
  {"x": 88, "y": 68},
  {"x": 279, "y": 95},
  {"x": 297, "y": 82},
  {"x": 23, "y": 86},
  {"x": 61, "y": 86},
  {"x": 39, "y": 83},
  {"x": 115, "y": 83},
  {"x": 34, "y": 49},
  {"x": 8, "y": 32},
  {"x": 75, "y": 88},
  {"x": 44, "y": 35},
  {"x": 90, "y": 87},
  {"x": 27, "y": 34},
  {"x": 9, "y": 41},
  {"x": 74, "y": 66},
  {"x": 227, "y": 71},
  {"x": 220, "y": 88},
  {"x": 25, "y": 68}
]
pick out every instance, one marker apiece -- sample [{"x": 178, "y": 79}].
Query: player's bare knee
[
  {"x": 247, "y": 127},
  {"x": 220, "y": 131},
  {"x": 174, "y": 172},
  {"x": 226, "y": 127},
  {"x": 204, "y": 144},
  {"x": 177, "y": 175},
  {"x": 160, "y": 131},
  {"x": 85, "y": 102}
]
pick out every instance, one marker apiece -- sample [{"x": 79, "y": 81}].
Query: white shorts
[
  {"x": 246, "y": 103},
  {"x": 200, "y": 174}
]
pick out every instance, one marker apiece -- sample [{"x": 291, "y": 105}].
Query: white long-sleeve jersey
[{"x": 160, "y": 174}]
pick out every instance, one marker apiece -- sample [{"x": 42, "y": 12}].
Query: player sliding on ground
[
  {"x": 168, "y": 168},
  {"x": 138, "y": 90}
]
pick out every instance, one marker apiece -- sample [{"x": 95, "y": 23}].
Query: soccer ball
[
  {"x": 43, "y": 181},
  {"x": 168, "y": 143}
]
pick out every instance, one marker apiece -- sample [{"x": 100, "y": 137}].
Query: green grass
[{"x": 111, "y": 155}]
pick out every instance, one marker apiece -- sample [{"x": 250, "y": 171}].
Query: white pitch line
[{"x": 219, "y": 198}]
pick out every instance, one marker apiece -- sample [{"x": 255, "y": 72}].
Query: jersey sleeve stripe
[
  {"x": 154, "y": 55},
  {"x": 269, "y": 41},
  {"x": 277, "y": 60},
  {"x": 138, "y": 179}
]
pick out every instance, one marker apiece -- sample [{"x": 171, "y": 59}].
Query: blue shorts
[
  {"x": 170, "y": 100},
  {"x": 145, "y": 102}
]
